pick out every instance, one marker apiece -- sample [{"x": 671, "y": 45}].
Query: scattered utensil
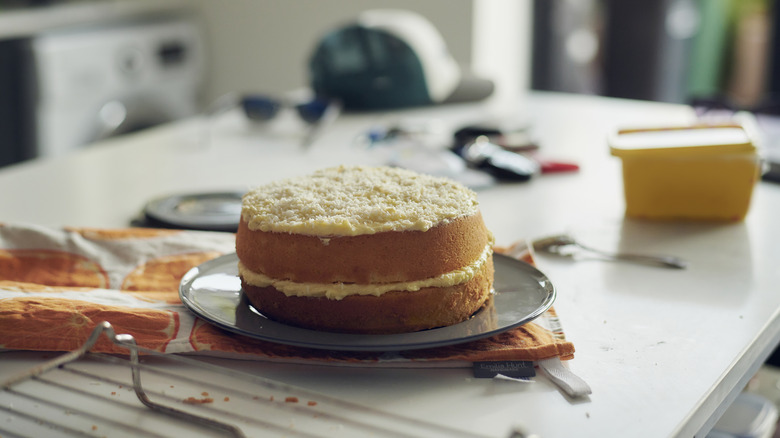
[{"x": 561, "y": 245}]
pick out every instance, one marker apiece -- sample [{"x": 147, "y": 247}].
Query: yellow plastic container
[{"x": 690, "y": 173}]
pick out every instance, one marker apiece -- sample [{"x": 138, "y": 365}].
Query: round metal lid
[{"x": 218, "y": 211}]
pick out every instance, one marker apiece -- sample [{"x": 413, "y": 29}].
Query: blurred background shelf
[{"x": 661, "y": 50}]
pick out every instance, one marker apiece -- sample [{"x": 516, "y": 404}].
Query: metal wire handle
[{"x": 128, "y": 342}]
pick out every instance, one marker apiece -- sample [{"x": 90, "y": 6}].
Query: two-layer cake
[{"x": 365, "y": 250}]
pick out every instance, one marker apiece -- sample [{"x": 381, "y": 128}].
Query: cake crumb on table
[{"x": 197, "y": 401}]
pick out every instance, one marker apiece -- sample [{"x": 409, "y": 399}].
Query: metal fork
[{"x": 556, "y": 244}]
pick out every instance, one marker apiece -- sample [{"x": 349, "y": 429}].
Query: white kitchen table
[{"x": 664, "y": 351}]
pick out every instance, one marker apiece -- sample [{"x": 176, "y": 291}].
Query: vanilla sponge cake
[{"x": 364, "y": 250}]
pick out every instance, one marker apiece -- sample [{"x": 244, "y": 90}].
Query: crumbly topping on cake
[{"x": 349, "y": 201}]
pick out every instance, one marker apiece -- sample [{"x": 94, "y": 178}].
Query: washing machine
[{"x": 74, "y": 86}]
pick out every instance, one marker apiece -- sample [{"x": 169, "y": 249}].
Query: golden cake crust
[
  {"x": 384, "y": 257},
  {"x": 391, "y": 312}
]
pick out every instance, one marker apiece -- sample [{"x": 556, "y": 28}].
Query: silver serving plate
[{"x": 213, "y": 292}]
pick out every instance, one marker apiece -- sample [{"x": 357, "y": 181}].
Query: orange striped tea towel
[{"x": 57, "y": 284}]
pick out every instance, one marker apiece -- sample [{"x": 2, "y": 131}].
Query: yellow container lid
[{"x": 695, "y": 140}]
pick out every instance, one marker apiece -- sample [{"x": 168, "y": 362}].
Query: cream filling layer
[{"x": 338, "y": 291}]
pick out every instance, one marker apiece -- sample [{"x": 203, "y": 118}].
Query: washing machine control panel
[{"x": 153, "y": 70}]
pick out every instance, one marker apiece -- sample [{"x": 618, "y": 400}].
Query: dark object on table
[
  {"x": 391, "y": 59},
  {"x": 218, "y": 211},
  {"x": 505, "y": 165}
]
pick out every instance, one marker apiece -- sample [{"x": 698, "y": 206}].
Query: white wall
[{"x": 264, "y": 45}]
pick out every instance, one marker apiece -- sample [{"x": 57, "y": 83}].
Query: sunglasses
[
  {"x": 317, "y": 112},
  {"x": 261, "y": 108}
]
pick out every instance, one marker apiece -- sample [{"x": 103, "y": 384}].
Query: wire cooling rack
[{"x": 146, "y": 393}]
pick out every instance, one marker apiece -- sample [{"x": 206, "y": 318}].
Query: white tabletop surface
[{"x": 664, "y": 351}]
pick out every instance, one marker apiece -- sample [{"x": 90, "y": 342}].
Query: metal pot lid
[{"x": 217, "y": 211}]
